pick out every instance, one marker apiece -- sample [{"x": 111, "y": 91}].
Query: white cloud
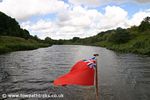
[
  {"x": 88, "y": 22},
  {"x": 42, "y": 28},
  {"x": 23, "y": 9},
  {"x": 85, "y": 2},
  {"x": 138, "y": 17},
  {"x": 114, "y": 17},
  {"x": 95, "y": 3},
  {"x": 78, "y": 21}
]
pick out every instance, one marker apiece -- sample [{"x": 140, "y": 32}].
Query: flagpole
[{"x": 96, "y": 79}]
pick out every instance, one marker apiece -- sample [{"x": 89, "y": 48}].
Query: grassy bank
[
  {"x": 140, "y": 45},
  {"x": 127, "y": 41},
  {"x": 9, "y": 44}
]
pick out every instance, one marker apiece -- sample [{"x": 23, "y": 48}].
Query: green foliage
[
  {"x": 139, "y": 44},
  {"x": 120, "y": 36},
  {"x": 10, "y": 27},
  {"x": 145, "y": 24},
  {"x": 75, "y": 39},
  {"x": 51, "y": 41},
  {"x": 8, "y": 44},
  {"x": 48, "y": 40}
]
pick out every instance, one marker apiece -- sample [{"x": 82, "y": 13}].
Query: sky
[{"x": 65, "y": 19}]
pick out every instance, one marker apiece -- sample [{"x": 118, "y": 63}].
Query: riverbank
[
  {"x": 9, "y": 44},
  {"x": 139, "y": 45}
]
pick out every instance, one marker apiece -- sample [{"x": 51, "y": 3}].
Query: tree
[
  {"x": 10, "y": 27},
  {"x": 120, "y": 36},
  {"x": 36, "y": 38},
  {"x": 75, "y": 39},
  {"x": 145, "y": 24},
  {"x": 48, "y": 40}
]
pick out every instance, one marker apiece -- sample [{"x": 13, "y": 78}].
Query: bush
[{"x": 120, "y": 36}]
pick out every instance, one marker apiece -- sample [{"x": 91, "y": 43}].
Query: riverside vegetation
[{"x": 135, "y": 39}]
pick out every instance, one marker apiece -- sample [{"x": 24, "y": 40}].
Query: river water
[{"x": 121, "y": 76}]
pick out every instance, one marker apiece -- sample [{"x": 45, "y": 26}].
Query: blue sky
[{"x": 65, "y": 19}]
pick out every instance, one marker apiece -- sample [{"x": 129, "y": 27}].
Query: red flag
[{"x": 82, "y": 73}]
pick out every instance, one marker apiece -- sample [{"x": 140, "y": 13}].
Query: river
[{"x": 121, "y": 76}]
